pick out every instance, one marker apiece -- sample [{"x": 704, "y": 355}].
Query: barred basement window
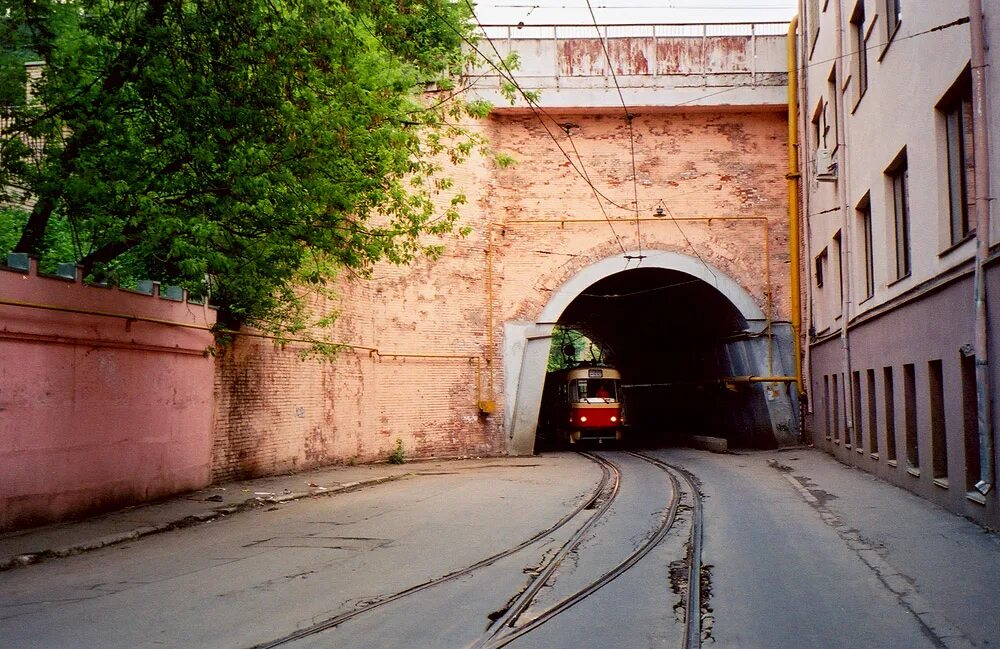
[
  {"x": 856, "y": 397},
  {"x": 834, "y": 406},
  {"x": 970, "y": 422},
  {"x": 939, "y": 437},
  {"x": 910, "y": 418},
  {"x": 872, "y": 413},
  {"x": 889, "y": 404}
]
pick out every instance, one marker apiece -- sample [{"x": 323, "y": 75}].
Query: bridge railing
[{"x": 654, "y": 65}]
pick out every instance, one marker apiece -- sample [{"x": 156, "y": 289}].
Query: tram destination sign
[{"x": 595, "y": 374}]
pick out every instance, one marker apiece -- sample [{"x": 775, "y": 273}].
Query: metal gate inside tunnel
[{"x": 693, "y": 348}]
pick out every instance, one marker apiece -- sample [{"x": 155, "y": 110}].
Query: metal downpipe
[
  {"x": 845, "y": 228},
  {"x": 980, "y": 129}
]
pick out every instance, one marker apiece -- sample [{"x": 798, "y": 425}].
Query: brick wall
[{"x": 276, "y": 412}]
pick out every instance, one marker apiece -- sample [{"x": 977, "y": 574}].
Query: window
[
  {"x": 817, "y": 126},
  {"x": 898, "y": 179},
  {"x": 834, "y": 406},
  {"x": 939, "y": 438},
  {"x": 956, "y": 109},
  {"x": 838, "y": 256},
  {"x": 829, "y": 412},
  {"x": 890, "y": 415},
  {"x": 831, "y": 125},
  {"x": 856, "y": 397},
  {"x": 893, "y": 16},
  {"x": 822, "y": 259},
  {"x": 813, "y": 17},
  {"x": 860, "y": 54},
  {"x": 864, "y": 210},
  {"x": 910, "y": 419},
  {"x": 970, "y": 421},
  {"x": 872, "y": 413}
]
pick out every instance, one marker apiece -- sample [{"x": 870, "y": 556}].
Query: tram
[{"x": 581, "y": 404}]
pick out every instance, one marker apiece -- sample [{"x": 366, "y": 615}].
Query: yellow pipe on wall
[
  {"x": 486, "y": 406},
  {"x": 793, "y": 201}
]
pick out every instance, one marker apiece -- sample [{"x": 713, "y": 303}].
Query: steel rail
[
  {"x": 692, "y": 600},
  {"x": 521, "y": 603},
  {"x": 665, "y": 526},
  {"x": 325, "y": 625}
]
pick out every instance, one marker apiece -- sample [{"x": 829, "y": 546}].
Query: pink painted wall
[{"x": 98, "y": 411}]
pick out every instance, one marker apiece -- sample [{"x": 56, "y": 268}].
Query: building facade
[{"x": 893, "y": 104}]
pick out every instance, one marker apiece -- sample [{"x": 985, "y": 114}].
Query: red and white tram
[{"x": 583, "y": 403}]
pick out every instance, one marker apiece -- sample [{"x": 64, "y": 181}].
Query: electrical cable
[
  {"x": 509, "y": 77},
  {"x": 569, "y": 136},
  {"x": 631, "y": 133},
  {"x": 615, "y": 296},
  {"x": 954, "y": 23},
  {"x": 537, "y": 110}
]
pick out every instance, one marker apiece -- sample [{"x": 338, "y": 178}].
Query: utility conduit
[
  {"x": 793, "y": 201},
  {"x": 485, "y": 406}
]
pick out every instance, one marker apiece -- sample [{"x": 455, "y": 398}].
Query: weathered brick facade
[{"x": 720, "y": 172}]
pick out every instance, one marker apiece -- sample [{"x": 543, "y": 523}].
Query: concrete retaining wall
[{"x": 98, "y": 411}]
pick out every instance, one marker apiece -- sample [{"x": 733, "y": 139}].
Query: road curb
[{"x": 30, "y": 558}]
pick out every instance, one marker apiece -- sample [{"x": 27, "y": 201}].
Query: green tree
[
  {"x": 251, "y": 145},
  {"x": 570, "y": 347}
]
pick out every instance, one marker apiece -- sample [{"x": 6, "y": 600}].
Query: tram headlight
[
  {"x": 583, "y": 419},
  {"x": 613, "y": 419}
]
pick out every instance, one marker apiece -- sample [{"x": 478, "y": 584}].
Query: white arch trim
[
  {"x": 693, "y": 266},
  {"x": 526, "y": 344}
]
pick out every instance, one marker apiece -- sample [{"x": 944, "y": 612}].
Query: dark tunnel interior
[{"x": 671, "y": 335}]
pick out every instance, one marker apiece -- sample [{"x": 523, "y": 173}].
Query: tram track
[
  {"x": 609, "y": 476},
  {"x": 692, "y": 596},
  {"x": 504, "y": 627},
  {"x": 502, "y": 634}
]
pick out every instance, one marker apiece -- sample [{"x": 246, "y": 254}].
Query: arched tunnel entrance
[{"x": 685, "y": 337}]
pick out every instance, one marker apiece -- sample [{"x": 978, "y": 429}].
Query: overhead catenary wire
[
  {"x": 955, "y": 23},
  {"x": 569, "y": 136},
  {"x": 539, "y": 112},
  {"x": 508, "y": 75},
  {"x": 628, "y": 120}
]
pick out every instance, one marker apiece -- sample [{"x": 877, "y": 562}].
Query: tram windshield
[{"x": 594, "y": 391}]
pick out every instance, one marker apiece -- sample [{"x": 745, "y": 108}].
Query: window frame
[
  {"x": 897, "y": 175},
  {"x": 893, "y": 19},
  {"x": 955, "y": 109},
  {"x": 864, "y": 211},
  {"x": 859, "y": 67},
  {"x": 821, "y": 263}
]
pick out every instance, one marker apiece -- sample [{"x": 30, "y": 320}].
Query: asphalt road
[{"x": 799, "y": 552}]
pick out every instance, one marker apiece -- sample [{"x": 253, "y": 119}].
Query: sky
[{"x": 540, "y": 12}]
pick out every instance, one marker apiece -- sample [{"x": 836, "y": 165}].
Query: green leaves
[{"x": 249, "y": 145}]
